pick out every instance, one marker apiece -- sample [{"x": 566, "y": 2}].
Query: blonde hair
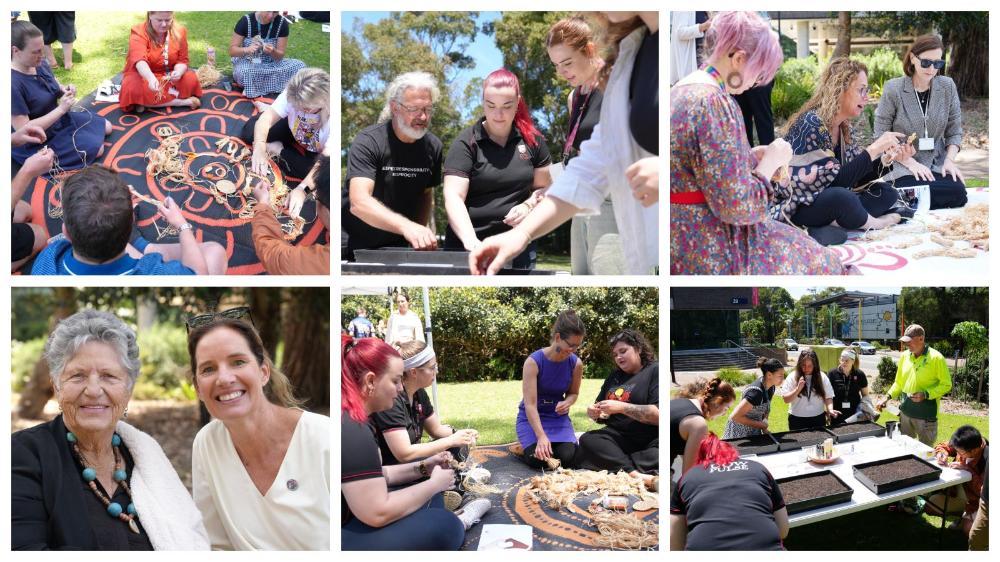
[
  {"x": 833, "y": 82},
  {"x": 171, "y": 31},
  {"x": 310, "y": 86}
]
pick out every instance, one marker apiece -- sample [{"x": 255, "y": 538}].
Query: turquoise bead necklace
[{"x": 127, "y": 515}]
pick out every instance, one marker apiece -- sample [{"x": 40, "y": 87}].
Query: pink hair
[
  {"x": 503, "y": 78},
  {"x": 713, "y": 450},
  {"x": 358, "y": 357},
  {"x": 747, "y": 32}
]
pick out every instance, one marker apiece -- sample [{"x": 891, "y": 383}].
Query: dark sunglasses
[
  {"x": 927, "y": 63},
  {"x": 238, "y": 313},
  {"x": 626, "y": 336}
]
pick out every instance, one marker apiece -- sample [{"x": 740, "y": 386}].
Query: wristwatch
[{"x": 183, "y": 227}]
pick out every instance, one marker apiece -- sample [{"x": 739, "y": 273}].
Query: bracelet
[{"x": 183, "y": 227}]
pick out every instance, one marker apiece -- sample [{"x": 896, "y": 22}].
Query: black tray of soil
[
  {"x": 854, "y": 431},
  {"x": 754, "y": 444},
  {"x": 811, "y": 491},
  {"x": 895, "y": 473},
  {"x": 792, "y": 440}
]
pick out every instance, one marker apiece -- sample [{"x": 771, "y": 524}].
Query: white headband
[{"x": 419, "y": 359}]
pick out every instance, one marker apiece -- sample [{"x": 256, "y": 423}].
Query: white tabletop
[{"x": 867, "y": 449}]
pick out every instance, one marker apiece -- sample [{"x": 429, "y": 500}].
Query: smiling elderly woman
[
  {"x": 261, "y": 468},
  {"x": 86, "y": 480}
]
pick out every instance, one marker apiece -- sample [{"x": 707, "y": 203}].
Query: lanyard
[
  {"x": 923, "y": 112},
  {"x": 579, "y": 118}
]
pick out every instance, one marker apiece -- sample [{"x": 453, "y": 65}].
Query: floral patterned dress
[{"x": 729, "y": 232}]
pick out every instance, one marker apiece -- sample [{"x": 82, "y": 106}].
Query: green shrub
[
  {"x": 793, "y": 86},
  {"x": 886, "y": 373},
  {"x": 164, "y": 358},
  {"x": 734, "y": 376},
  {"x": 23, "y": 356},
  {"x": 944, "y": 347},
  {"x": 965, "y": 382},
  {"x": 883, "y": 65}
]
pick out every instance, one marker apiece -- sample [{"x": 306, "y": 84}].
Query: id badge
[
  {"x": 256, "y": 60},
  {"x": 845, "y": 404},
  {"x": 925, "y": 143}
]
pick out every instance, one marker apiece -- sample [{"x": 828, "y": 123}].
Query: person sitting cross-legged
[{"x": 98, "y": 221}]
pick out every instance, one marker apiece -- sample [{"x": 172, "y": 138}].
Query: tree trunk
[
  {"x": 969, "y": 61},
  {"x": 265, "y": 306},
  {"x": 38, "y": 389},
  {"x": 306, "y": 333},
  {"x": 843, "y": 48}
]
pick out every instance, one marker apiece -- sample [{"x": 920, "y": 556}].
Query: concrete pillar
[
  {"x": 802, "y": 43},
  {"x": 822, "y": 34}
]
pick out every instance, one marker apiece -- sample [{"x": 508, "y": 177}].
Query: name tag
[
  {"x": 925, "y": 143},
  {"x": 845, "y": 405},
  {"x": 256, "y": 60}
]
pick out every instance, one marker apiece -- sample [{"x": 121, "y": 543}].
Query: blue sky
[{"x": 488, "y": 58}]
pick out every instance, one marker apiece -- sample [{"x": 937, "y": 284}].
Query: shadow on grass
[{"x": 877, "y": 529}]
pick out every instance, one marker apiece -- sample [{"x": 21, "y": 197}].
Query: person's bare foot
[
  {"x": 68, "y": 66},
  {"x": 52, "y": 62},
  {"x": 885, "y": 221},
  {"x": 194, "y": 102},
  {"x": 139, "y": 109}
]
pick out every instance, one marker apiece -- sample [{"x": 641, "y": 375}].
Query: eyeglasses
[
  {"x": 927, "y": 63},
  {"x": 625, "y": 336},
  {"x": 571, "y": 347},
  {"x": 428, "y": 110},
  {"x": 238, "y": 313},
  {"x": 863, "y": 91}
]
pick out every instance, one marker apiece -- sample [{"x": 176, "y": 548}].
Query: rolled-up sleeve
[{"x": 583, "y": 183}]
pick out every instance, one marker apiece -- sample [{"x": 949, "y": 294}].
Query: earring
[
  {"x": 125, "y": 413},
  {"x": 60, "y": 409},
  {"x": 734, "y": 80}
]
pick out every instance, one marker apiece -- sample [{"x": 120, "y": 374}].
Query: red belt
[{"x": 687, "y": 198}]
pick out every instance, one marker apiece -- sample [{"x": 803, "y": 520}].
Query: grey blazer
[{"x": 898, "y": 110}]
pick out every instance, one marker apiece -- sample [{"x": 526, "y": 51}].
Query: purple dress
[
  {"x": 730, "y": 233},
  {"x": 554, "y": 380}
]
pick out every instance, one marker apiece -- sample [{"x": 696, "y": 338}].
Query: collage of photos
[{"x": 507, "y": 281}]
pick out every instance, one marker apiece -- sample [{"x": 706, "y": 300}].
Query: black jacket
[{"x": 47, "y": 505}]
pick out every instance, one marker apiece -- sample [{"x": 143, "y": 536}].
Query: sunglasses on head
[
  {"x": 927, "y": 63},
  {"x": 238, "y": 313}
]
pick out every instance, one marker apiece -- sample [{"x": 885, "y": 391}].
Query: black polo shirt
[
  {"x": 500, "y": 177},
  {"x": 404, "y": 415},
  {"x": 847, "y": 389},
  {"x": 402, "y": 172},
  {"x": 641, "y": 388},
  {"x": 359, "y": 457},
  {"x": 729, "y": 507}
]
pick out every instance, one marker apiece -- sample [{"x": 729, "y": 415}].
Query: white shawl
[
  {"x": 600, "y": 169},
  {"x": 165, "y": 508}
]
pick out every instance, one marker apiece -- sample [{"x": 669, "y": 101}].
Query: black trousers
[
  {"x": 611, "y": 450},
  {"x": 755, "y": 104},
  {"x": 564, "y": 451},
  {"x": 798, "y": 422},
  {"x": 849, "y": 209},
  {"x": 946, "y": 193},
  {"x": 292, "y": 162}
]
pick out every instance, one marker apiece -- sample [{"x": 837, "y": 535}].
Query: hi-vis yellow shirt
[{"x": 927, "y": 373}]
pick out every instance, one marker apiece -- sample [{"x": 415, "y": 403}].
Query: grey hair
[
  {"x": 87, "y": 326},
  {"x": 416, "y": 79},
  {"x": 308, "y": 86}
]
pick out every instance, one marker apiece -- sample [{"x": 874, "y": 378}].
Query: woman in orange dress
[{"x": 156, "y": 72}]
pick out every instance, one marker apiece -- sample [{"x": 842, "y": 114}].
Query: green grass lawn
[
  {"x": 553, "y": 262},
  {"x": 102, "y": 43},
  {"x": 491, "y": 408},
  {"x": 876, "y": 528},
  {"x": 977, "y": 182}
]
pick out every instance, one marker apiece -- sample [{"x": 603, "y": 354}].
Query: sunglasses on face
[
  {"x": 238, "y": 313},
  {"x": 927, "y": 63}
]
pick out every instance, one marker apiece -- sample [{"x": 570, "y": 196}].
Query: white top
[
  {"x": 683, "y": 49},
  {"x": 599, "y": 170},
  {"x": 807, "y": 404},
  {"x": 305, "y": 128},
  {"x": 238, "y": 517},
  {"x": 404, "y": 327}
]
